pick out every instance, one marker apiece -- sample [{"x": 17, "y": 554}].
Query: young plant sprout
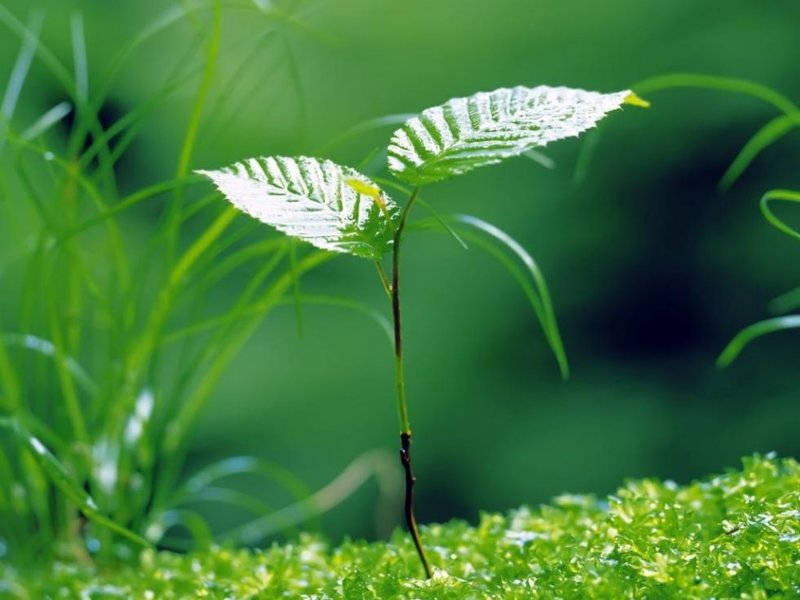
[{"x": 337, "y": 208}]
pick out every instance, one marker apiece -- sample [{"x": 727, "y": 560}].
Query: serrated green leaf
[
  {"x": 483, "y": 129},
  {"x": 330, "y": 206}
]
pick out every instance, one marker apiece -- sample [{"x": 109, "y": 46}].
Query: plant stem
[{"x": 402, "y": 407}]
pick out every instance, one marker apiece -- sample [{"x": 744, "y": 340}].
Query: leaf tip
[
  {"x": 635, "y": 100},
  {"x": 724, "y": 360}
]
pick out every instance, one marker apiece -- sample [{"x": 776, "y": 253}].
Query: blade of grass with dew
[
  {"x": 768, "y": 134},
  {"x": 79, "y": 60},
  {"x": 781, "y": 196},
  {"x": 38, "y": 496},
  {"x": 48, "y": 58},
  {"x": 540, "y": 298},
  {"x": 44, "y": 432},
  {"x": 60, "y": 477},
  {"x": 46, "y": 348},
  {"x": 752, "y": 332},
  {"x": 19, "y": 72},
  {"x": 44, "y": 123}
]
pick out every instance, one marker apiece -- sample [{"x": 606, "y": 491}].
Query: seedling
[{"x": 337, "y": 208}]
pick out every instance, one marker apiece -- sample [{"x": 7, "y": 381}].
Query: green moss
[{"x": 731, "y": 536}]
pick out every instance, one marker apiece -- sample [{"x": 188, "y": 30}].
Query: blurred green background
[{"x": 651, "y": 268}]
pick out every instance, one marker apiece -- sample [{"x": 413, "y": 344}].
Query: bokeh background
[{"x": 652, "y": 269}]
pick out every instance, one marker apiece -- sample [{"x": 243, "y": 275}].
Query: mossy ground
[{"x": 735, "y": 535}]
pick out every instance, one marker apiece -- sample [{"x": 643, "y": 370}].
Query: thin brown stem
[
  {"x": 411, "y": 520},
  {"x": 405, "y": 426}
]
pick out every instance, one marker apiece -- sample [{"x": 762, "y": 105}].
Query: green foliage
[
  {"x": 314, "y": 200},
  {"x": 337, "y": 208},
  {"x": 785, "y": 303},
  {"x": 483, "y": 129},
  {"x": 770, "y": 133},
  {"x": 730, "y": 536},
  {"x": 109, "y": 348}
]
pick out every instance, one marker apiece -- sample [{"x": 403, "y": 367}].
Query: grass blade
[
  {"x": 79, "y": 60},
  {"x": 193, "y": 127},
  {"x": 444, "y": 224},
  {"x": 21, "y": 67},
  {"x": 540, "y": 158},
  {"x": 768, "y": 134},
  {"x": 336, "y": 301},
  {"x": 46, "y": 121},
  {"x": 786, "y": 302},
  {"x": 375, "y": 463},
  {"x": 8, "y": 377},
  {"x": 58, "y": 475},
  {"x": 46, "y": 348},
  {"x": 752, "y": 332},
  {"x": 240, "y": 465},
  {"x": 784, "y": 196},
  {"x": 189, "y": 520},
  {"x": 538, "y": 293},
  {"x": 362, "y": 128},
  {"x": 296, "y": 294},
  {"x": 726, "y": 84}
]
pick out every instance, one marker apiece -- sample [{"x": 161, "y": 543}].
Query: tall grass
[
  {"x": 787, "y": 121},
  {"x": 109, "y": 344}
]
